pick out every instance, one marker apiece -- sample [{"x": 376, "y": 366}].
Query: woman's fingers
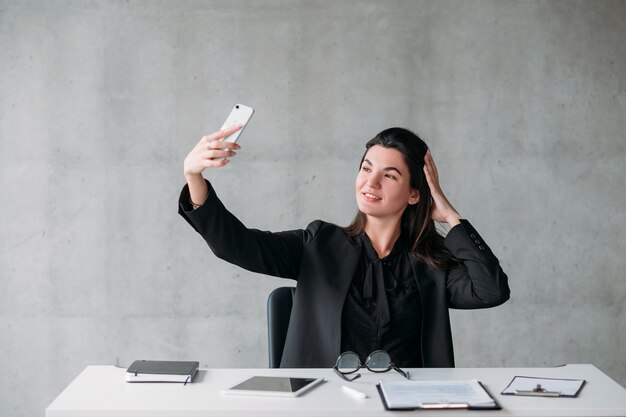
[
  {"x": 442, "y": 210},
  {"x": 215, "y": 163},
  {"x": 218, "y": 153},
  {"x": 429, "y": 163},
  {"x": 221, "y": 134},
  {"x": 430, "y": 170},
  {"x": 215, "y": 158},
  {"x": 222, "y": 145},
  {"x": 211, "y": 151}
]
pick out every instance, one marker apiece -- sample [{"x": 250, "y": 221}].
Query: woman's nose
[{"x": 373, "y": 181}]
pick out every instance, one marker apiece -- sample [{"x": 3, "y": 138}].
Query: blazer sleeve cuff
[
  {"x": 463, "y": 234},
  {"x": 191, "y": 215}
]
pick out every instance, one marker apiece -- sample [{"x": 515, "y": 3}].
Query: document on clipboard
[
  {"x": 433, "y": 394},
  {"x": 544, "y": 387}
]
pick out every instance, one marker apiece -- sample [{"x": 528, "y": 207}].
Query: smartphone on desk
[{"x": 239, "y": 115}]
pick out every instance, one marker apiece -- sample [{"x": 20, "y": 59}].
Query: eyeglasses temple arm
[
  {"x": 405, "y": 374},
  {"x": 345, "y": 377}
]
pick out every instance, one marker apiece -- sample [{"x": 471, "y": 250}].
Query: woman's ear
[{"x": 415, "y": 197}]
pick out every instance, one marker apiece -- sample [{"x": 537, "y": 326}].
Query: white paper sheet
[{"x": 417, "y": 394}]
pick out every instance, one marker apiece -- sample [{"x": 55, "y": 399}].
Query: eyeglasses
[{"x": 378, "y": 361}]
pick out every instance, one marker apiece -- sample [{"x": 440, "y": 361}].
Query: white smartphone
[{"x": 239, "y": 115}]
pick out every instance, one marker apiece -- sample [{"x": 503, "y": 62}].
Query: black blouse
[{"x": 382, "y": 309}]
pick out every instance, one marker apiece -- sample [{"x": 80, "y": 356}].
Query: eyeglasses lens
[
  {"x": 348, "y": 362},
  {"x": 378, "y": 362}
]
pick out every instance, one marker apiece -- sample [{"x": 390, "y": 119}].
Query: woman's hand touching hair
[
  {"x": 442, "y": 210},
  {"x": 210, "y": 152}
]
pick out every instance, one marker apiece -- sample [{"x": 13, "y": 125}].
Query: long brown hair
[{"x": 416, "y": 223}]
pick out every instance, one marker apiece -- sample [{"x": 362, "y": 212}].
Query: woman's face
[{"x": 383, "y": 184}]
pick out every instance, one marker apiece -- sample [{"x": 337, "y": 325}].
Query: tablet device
[{"x": 274, "y": 386}]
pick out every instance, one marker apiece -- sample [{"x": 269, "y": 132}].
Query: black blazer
[{"x": 322, "y": 258}]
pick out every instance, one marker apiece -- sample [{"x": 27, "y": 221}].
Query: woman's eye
[
  {"x": 366, "y": 169},
  {"x": 390, "y": 176}
]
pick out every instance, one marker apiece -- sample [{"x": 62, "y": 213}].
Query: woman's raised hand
[
  {"x": 442, "y": 210},
  {"x": 211, "y": 151}
]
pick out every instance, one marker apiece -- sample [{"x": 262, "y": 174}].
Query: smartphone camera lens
[{"x": 237, "y": 106}]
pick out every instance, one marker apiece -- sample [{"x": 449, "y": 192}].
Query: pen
[{"x": 353, "y": 392}]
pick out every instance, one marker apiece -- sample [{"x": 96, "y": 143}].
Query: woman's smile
[{"x": 371, "y": 197}]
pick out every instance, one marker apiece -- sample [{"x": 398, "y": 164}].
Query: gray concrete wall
[{"x": 523, "y": 105}]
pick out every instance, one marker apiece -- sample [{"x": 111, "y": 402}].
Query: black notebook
[{"x": 161, "y": 371}]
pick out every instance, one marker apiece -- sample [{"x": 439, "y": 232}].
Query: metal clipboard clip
[
  {"x": 443, "y": 405},
  {"x": 539, "y": 391}
]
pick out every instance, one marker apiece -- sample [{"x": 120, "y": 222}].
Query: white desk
[{"x": 101, "y": 391}]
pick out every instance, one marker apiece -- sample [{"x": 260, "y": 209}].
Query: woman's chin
[{"x": 368, "y": 210}]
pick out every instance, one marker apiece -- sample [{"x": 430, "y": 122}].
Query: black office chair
[{"x": 279, "y": 304}]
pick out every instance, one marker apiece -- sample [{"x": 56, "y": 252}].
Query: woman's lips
[{"x": 371, "y": 197}]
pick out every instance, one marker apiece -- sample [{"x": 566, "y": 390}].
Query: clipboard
[
  {"x": 544, "y": 387},
  {"x": 442, "y": 405}
]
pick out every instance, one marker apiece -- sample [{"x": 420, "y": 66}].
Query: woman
[{"x": 384, "y": 282}]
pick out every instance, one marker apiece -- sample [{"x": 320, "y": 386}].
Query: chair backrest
[{"x": 279, "y": 304}]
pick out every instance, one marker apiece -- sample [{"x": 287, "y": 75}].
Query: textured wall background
[{"x": 523, "y": 104}]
